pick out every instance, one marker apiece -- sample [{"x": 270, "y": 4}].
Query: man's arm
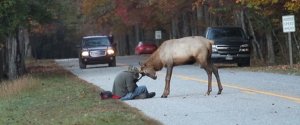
[{"x": 131, "y": 84}]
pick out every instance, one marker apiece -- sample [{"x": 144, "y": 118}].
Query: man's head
[{"x": 134, "y": 70}]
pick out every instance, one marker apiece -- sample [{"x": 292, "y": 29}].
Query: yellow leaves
[
  {"x": 87, "y": 6},
  {"x": 293, "y": 5},
  {"x": 290, "y": 5}
]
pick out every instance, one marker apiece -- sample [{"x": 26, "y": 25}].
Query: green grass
[{"x": 53, "y": 96}]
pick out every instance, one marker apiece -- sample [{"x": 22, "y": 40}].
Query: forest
[{"x": 51, "y": 29}]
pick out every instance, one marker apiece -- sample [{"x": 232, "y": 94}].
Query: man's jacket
[{"x": 124, "y": 83}]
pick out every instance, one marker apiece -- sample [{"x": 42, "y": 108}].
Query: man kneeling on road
[{"x": 126, "y": 88}]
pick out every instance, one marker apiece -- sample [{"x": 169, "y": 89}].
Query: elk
[{"x": 181, "y": 51}]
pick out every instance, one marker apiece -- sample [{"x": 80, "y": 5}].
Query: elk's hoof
[
  {"x": 207, "y": 93},
  {"x": 220, "y": 91},
  {"x": 164, "y": 96}
]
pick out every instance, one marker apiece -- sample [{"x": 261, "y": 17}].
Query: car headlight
[
  {"x": 110, "y": 51},
  {"x": 244, "y": 48},
  {"x": 85, "y": 53},
  {"x": 214, "y": 48},
  {"x": 245, "y": 45}
]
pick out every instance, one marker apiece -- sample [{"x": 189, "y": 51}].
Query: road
[{"x": 248, "y": 98}]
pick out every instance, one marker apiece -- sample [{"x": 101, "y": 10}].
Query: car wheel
[
  {"x": 243, "y": 64},
  {"x": 112, "y": 63},
  {"x": 82, "y": 65}
]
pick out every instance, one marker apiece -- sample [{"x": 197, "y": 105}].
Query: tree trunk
[
  {"x": 21, "y": 50},
  {"x": 11, "y": 46},
  {"x": 255, "y": 45},
  {"x": 1, "y": 63},
  {"x": 27, "y": 44},
  {"x": 270, "y": 48},
  {"x": 201, "y": 15},
  {"x": 137, "y": 33},
  {"x": 297, "y": 44},
  {"x": 242, "y": 19},
  {"x": 207, "y": 15},
  {"x": 186, "y": 28},
  {"x": 282, "y": 50},
  {"x": 15, "y": 45},
  {"x": 174, "y": 28}
]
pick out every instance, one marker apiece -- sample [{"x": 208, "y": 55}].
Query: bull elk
[{"x": 181, "y": 51}]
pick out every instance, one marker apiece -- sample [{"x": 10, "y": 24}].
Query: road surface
[{"x": 248, "y": 98}]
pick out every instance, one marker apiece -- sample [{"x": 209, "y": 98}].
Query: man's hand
[
  {"x": 136, "y": 80},
  {"x": 142, "y": 75}
]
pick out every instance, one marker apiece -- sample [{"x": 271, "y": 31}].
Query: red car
[{"x": 145, "y": 48}]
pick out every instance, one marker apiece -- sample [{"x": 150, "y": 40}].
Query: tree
[
  {"x": 179, "y": 18},
  {"x": 267, "y": 20},
  {"x": 16, "y": 17}
]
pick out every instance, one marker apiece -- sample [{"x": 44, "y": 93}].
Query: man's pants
[{"x": 137, "y": 91}]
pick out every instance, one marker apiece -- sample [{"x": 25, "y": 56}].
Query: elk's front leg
[{"x": 167, "y": 81}]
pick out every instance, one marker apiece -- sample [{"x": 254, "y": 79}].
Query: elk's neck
[{"x": 155, "y": 61}]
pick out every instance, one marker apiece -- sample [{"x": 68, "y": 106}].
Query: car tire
[
  {"x": 244, "y": 63},
  {"x": 112, "y": 63},
  {"x": 82, "y": 65}
]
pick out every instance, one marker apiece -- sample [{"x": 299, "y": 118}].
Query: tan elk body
[{"x": 181, "y": 51}]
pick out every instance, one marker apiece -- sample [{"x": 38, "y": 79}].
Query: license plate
[{"x": 229, "y": 57}]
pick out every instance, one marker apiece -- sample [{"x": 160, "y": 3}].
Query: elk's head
[{"x": 148, "y": 70}]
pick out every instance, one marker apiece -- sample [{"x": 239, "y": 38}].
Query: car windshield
[
  {"x": 223, "y": 33},
  {"x": 95, "y": 42}
]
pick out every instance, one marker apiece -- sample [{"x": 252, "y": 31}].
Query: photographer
[{"x": 125, "y": 86}]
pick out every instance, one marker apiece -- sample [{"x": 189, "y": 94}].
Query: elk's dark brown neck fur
[{"x": 154, "y": 61}]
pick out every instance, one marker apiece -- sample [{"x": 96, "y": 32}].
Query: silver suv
[{"x": 97, "y": 50}]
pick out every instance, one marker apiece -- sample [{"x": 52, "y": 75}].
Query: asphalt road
[{"x": 248, "y": 98}]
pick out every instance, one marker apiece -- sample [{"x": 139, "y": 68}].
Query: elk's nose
[{"x": 154, "y": 77}]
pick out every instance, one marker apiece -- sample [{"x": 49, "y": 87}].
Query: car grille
[
  {"x": 97, "y": 53},
  {"x": 225, "y": 49}
]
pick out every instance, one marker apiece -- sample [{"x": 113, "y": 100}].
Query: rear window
[
  {"x": 95, "y": 42},
  {"x": 220, "y": 33}
]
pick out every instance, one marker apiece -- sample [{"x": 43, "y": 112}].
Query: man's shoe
[
  {"x": 141, "y": 96},
  {"x": 151, "y": 94}
]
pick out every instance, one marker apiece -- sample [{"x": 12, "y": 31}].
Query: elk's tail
[
  {"x": 209, "y": 50},
  {"x": 211, "y": 42}
]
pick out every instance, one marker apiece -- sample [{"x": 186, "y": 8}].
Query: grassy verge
[
  {"x": 50, "y": 95},
  {"x": 281, "y": 69}
]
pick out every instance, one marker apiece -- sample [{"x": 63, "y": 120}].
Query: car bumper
[
  {"x": 230, "y": 58},
  {"x": 97, "y": 60}
]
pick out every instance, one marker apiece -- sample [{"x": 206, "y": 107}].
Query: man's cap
[{"x": 133, "y": 69}]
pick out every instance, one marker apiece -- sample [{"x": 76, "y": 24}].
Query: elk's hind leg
[
  {"x": 208, "y": 70},
  {"x": 216, "y": 73}
]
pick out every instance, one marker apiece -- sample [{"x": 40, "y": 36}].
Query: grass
[
  {"x": 49, "y": 95},
  {"x": 280, "y": 69}
]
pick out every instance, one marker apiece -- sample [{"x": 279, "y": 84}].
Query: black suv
[
  {"x": 232, "y": 45},
  {"x": 96, "y": 50}
]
